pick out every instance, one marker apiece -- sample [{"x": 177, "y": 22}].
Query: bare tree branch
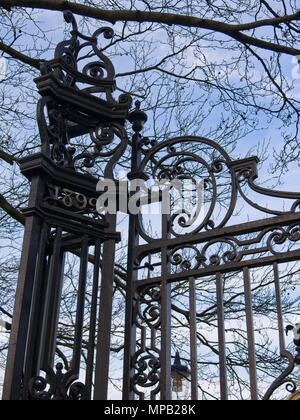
[
  {"x": 10, "y": 210},
  {"x": 233, "y": 31},
  {"x": 8, "y": 158},
  {"x": 20, "y": 56}
]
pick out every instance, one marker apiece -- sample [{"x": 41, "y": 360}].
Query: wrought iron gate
[
  {"x": 187, "y": 249},
  {"x": 209, "y": 248}
]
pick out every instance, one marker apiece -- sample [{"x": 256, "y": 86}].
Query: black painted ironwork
[
  {"x": 212, "y": 245},
  {"x": 76, "y": 103},
  {"x": 81, "y": 123}
]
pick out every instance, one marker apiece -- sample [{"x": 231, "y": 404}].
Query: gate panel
[{"x": 211, "y": 246}]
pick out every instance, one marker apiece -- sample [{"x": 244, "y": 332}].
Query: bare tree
[{"x": 210, "y": 67}]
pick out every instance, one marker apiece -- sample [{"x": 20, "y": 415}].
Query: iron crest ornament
[{"x": 76, "y": 89}]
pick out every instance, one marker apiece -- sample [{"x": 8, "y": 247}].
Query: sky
[{"x": 269, "y": 133}]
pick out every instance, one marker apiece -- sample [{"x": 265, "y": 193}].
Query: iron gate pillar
[{"x": 62, "y": 217}]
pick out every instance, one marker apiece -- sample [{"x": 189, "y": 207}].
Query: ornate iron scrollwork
[
  {"x": 175, "y": 159},
  {"x": 213, "y": 243},
  {"x": 77, "y": 87},
  {"x": 147, "y": 366},
  {"x": 146, "y": 360},
  {"x": 56, "y": 386},
  {"x": 291, "y": 384},
  {"x": 148, "y": 307}
]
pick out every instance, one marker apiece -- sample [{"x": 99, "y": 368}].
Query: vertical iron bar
[
  {"x": 18, "y": 336},
  {"x": 279, "y": 309},
  {"x": 52, "y": 304},
  {"x": 23, "y": 300},
  {"x": 165, "y": 315},
  {"x": 130, "y": 326},
  {"x": 137, "y": 119},
  {"x": 250, "y": 335},
  {"x": 38, "y": 301},
  {"x": 93, "y": 319},
  {"x": 105, "y": 314},
  {"x": 84, "y": 255},
  {"x": 193, "y": 339},
  {"x": 56, "y": 307},
  {"x": 221, "y": 337}
]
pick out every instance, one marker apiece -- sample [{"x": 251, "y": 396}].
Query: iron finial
[{"x": 137, "y": 118}]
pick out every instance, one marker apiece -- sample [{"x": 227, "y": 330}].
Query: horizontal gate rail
[
  {"x": 287, "y": 219},
  {"x": 228, "y": 268}
]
